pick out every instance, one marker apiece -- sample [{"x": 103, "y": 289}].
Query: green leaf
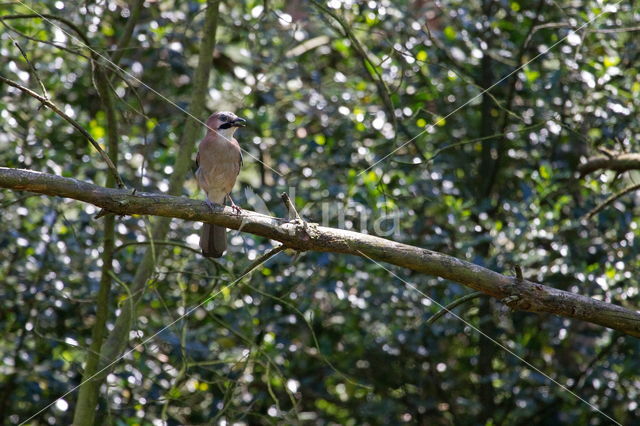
[
  {"x": 450, "y": 33},
  {"x": 531, "y": 75},
  {"x": 545, "y": 172}
]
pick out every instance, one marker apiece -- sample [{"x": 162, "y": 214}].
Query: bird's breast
[{"x": 219, "y": 165}]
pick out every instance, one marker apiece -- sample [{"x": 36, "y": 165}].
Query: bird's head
[{"x": 225, "y": 123}]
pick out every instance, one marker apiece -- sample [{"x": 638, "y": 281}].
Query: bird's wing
[{"x": 197, "y": 165}]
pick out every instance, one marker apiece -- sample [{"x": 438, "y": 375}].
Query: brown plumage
[{"x": 219, "y": 160}]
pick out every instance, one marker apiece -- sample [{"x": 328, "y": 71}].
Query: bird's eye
[{"x": 224, "y": 118}]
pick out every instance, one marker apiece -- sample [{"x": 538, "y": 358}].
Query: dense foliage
[{"x": 329, "y": 89}]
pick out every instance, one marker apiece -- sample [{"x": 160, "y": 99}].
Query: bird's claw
[
  {"x": 235, "y": 208},
  {"x": 233, "y": 205}
]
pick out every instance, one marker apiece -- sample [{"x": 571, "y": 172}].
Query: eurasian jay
[{"x": 219, "y": 160}]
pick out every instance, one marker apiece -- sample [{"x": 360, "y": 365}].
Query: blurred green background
[{"x": 328, "y": 89}]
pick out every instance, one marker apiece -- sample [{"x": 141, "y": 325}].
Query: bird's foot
[
  {"x": 211, "y": 204},
  {"x": 234, "y": 206}
]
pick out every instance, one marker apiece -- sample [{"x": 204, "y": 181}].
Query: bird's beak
[{"x": 239, "y": 122}]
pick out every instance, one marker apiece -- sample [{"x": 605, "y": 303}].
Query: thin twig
[
  {"x": 128, "y": 31},
  {"x": 50, "y": 43},
  {"x": 518, "y": 271},
  {"x": 464, "y": 299},
  {"x": 71, "y": 121},
  {"x": 439, "y": 151},
  {"x": 614, "y": 30},
  {"x": 291, "y": 209},
  {"x": 51, "y": 17},
  {"x": 611, "y": 199},
  {"x": 567, "y": 25},
  {"x": 482, "y": 139},
  {"x": 26, "y": 58},
  {"x": 369, "y": 66},
  {"x": 506, "y": 113}
]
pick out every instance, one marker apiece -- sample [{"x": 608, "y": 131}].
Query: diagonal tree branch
[
  {"x": 74, "y": 123},
  {"x": 614, "y": 161},
  {"x": 461, "y": 301},
  {"x": 523, "y": 294},
  {"x": 597, "y": 209}
]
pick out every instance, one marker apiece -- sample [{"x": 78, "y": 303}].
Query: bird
[{"x": 218, "y": 162}]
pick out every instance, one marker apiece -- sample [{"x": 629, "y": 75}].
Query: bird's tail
[{"x": 213, "y": 240}]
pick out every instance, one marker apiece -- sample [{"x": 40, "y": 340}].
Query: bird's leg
[
  {"x": 210, "y": 204},
  {"x": 234, "y": 206}
]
